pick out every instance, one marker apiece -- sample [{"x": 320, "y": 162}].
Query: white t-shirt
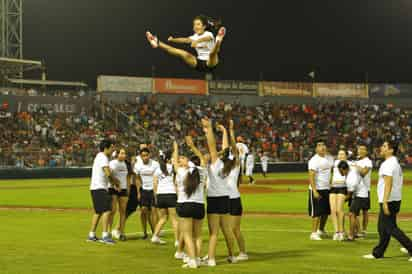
[
  {"x": 165, "y": 184},
  {"x": 250, "y": 160},
  {"x": 322, "y": 167},
  {"x": 119, "y": 171},
  {"x": 355, "y": 185},
  {"x": 146, "y": 173},
  {"x": 99, "y": 179},
  {"x": 391, "y": 167},
  {"x": 366, "y": 180},
  {"x": 232, "y": 182},
  {"x": 264, "y": 160},
  {"x": 243, "y": 150},
  {"x": 203, "y": 49},
  {"x": 198, "y": 195},
  {"x": 338, "y": 180},
  {"x": 218, "y": 185}
]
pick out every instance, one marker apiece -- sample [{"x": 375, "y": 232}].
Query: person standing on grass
[
  {"x": 250, "y": 164},
  {"x": 364, "y": 166},
  {"x": 264, "y": 159},
  {"x": 99, "y": 187},
  {"x": 319, "y": 184},
  {"x": 145, "y": 171},
  {"x": 390, "y": 196}
]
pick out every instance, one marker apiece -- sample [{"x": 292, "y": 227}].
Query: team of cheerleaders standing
[{"x": 175, "y": 187}]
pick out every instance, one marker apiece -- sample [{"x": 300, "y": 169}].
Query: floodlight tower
[{"x": 11, "y": 29}]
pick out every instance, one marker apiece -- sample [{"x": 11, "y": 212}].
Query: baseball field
[{"x": 44, "y": 225}]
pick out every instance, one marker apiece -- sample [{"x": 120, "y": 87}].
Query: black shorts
[
  {"x": 121, "y": 193},
  {"x": 218, "y": 205},
  {"x": 236, "y": 208},
  {"x": 319, "y": 207},
  {"x": 102, "y": 200},
  {"x": 166, "y": 200},
  {"x": 339, "y": 190},
  {"x": 191, "y": 210},
  {"x": 202, "y": 66},
  {"x": 146, "y": 198},
  {"x": 132, "y": 203},
  {"x": 359, "y": 204}
]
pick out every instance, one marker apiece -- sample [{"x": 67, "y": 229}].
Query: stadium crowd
[{"x": 283, "y": 132}]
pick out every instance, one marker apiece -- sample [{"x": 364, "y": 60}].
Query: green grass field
[{"x": 50, "y": 241}]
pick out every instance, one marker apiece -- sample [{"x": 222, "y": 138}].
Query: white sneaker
[
  {"x": 242, "y": 257},
  {"x": 315, "y": 237},
  {"x": 341, "y": 237},
  {"x": 190, "y": 264},
  {"x": 161, "y": 233},
  {"x": 116, "y": 234},
  {"x": 404, "y": 250},
  {"x": 157, "y": 240},
  {"x": 211, "y": 263},
  {"x": 205, "y": 258},
  {"x": 232, "y": 259},
  {"x": 179, "y": 255},
  {"x": 369, "y": 257},
  {"x": 410, "y": 259},
  {"x": 321, "y": 233},
  {"x": 176, "y": 244},
  {"x": 336, "y": 236}
]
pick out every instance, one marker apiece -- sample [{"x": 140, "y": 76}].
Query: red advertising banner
[
  {"x": 341, "y": 90},
  {"x": 285, "y": 89},
  {"x": 180, "y": 86}
]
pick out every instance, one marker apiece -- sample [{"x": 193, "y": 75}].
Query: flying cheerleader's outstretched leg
[
  {"x": 214, "y": 54},
  {"x": 188, "y": 58}
]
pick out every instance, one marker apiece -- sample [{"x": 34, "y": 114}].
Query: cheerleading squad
[{"x": 176, "y": 187}]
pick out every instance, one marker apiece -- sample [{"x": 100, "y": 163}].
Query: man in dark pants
[{"x": 390, "y": 196}]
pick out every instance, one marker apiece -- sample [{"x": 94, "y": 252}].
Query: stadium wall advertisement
[
  {"x": 340, "y": 90},
  {"x": 124, "y": 84},
  {"x": 180, "y": 86},
  {"x": 227, "y": 87},
  {"x": 390, "y": 90},
  {"x": 56, "y": 104},
  {"x": 285, "y": 89}
]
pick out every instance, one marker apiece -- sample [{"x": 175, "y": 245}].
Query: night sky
[{"x": 269, "y": 40}]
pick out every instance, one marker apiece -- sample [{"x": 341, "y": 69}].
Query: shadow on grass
[{"x": 275, "y": 254}]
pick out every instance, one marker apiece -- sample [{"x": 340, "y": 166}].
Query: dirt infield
[{"x": 251, "y": 189}]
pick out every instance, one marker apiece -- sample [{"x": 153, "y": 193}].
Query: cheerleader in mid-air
[{"x": 203, "y": 41}]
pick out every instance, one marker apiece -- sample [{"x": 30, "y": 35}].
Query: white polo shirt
[
  {"x": 119, "y": 171},
  {"x": 146, "y": 173},
  {"x": 99, "y": 179},
  {"x": 391, "y": 167},
  {"x": 203, "y": 49},
  {"x": 322, "y": 167}
]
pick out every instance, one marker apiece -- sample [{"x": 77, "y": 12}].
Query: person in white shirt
[
  {"x": 319, "y": 166},
  {"x": 120, "y": 197},
  {"x": 264, "y": 159},
  {"x": 165, "y": 195},
  {"x": 364, "y": 165},
  {"x": 337, "y": 198},
  {"x": 243, "y": 151},
  {"x": 191, "y": 183},
  {"x": 99, "y": 188},
  {"x": 250, "y": 164},
  {"x": 145, "y": 171},
  {"x": 390, "y": 196},
  {"x": 218, "y": 192},
  {"x": 203, "y": 41}
]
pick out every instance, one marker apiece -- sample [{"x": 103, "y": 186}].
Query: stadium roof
[
  {"x": 47, "y": 83},
  {"x": 10, "y": 66}
]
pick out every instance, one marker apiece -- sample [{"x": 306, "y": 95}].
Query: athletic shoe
[
  {"x": 410, "y": 259},
  {"x": 369, "y": 257},
  {"x": 107, "y": 241},
  {"x": 336, "y": 236},
  {"x": 161, "y": 233},
  {"x": 341, "y": 236},
  {"x": 92, "y": 239},
  {"x": 221, "y": 34},
  {"x": 186, "y": 259},
  {"x": 122, "y": 238},
  {"x": 205, "y": 258},
  {"x": 361, "y": 235},
  {"x": 404, "y": 250},
  {"x": 176, "y": 244},
  {"x": 154, "y": 42},
  {"x": 231, "y": 259},
  {"x": 211, "y": 263},
  {"x": 321, "y": 233},
  {"x": 190, "y": 264},
  {"x": 115, "y": 234},
  {"x": 157, "y": 240},
  {"x": 315, "y": 237},
  {"x": 242, "y": 257},
  {"x": 179, "y": 255}
]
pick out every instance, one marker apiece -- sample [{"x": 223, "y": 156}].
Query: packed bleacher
[{"x": 285, "y": 133}]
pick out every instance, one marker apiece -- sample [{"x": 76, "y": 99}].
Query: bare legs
[{"x": 188, "y": 58}]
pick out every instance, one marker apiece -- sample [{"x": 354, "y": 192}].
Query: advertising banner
[
  {"x": 392, "y": 90},
  {"x": 228, "y": 87},
  {"x": 180, "y": 86},
  {"x": 340, "y": 90},
  {"x": 124, "y": 84},
  {"x": 285, "y": 89}
]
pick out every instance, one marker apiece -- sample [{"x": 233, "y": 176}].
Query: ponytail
[
  {"x": 212, "y": 25},
  {"x": 192, "y": 181},
  {"x": 163, "y": 159}
]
